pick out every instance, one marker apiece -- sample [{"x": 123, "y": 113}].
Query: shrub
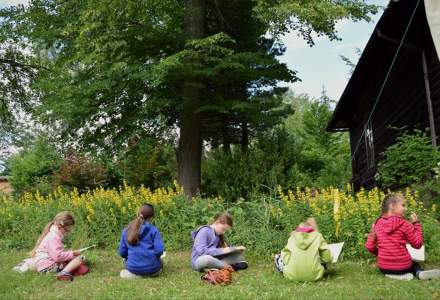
[
  {"x": 410, "y": 160},
  {"x": 32, "y": 169},
  {"x": 80, "y": 172},
  {"x": 147, "y": 161},
  {"x": 263, "y": 224},
  {"x": 241, "y": 174}
]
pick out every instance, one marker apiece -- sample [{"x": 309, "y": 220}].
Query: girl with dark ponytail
[{"x": 141, "y": 245}]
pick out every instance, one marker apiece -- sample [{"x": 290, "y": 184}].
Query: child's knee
[{"x": 81, "y": 258}]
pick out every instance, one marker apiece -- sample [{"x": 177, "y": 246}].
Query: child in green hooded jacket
[{"x": 305, "y": 255}]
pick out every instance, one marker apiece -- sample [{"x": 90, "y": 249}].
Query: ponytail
[
  {"x": 133, "y": 230},
  {"x": 222, "y": 242},
  {"x": 146, "y": 211},
  {"x": 42, "y": 235}
]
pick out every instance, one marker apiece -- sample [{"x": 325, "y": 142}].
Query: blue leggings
[{"x": 414, "y": 269}]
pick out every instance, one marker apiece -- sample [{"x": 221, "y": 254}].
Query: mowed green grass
[{"x": 347, "y": 280}]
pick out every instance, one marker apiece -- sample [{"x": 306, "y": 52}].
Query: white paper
[
  {"x": 416, "y": 254},
  {"x": 335, "y": 250}
]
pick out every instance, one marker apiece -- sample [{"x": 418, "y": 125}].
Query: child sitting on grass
[
  {"x": 49, "y": 254},
  {"x": 388, "y": 238},
  {"x": 210, "y": 250},
  {"x": 141, "y": 246},
  {"x": 305, "y": 255}
]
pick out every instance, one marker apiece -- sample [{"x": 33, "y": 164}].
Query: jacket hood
[
  {"x": 389, "y": 224},
  {"x": 145, "y": 229},
  {"x": 194, "y": 233},
  {"x": 303, "y": 240}
]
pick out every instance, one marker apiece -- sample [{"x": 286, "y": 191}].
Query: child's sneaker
[
  {"x": 21, "y": 267},
  {"x": 429, "y": 274},
  {"x": 278, "y": 261},
  {"x": 406, "y": 276},
  {"x": 64, "y": 276},
  {"x": 242, "y": 265},
  {"x": 126, "y": 274}
]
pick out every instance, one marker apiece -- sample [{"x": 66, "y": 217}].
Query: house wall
[
  {"x": 5, "y": 187},
  {"x": 402, "y": 104}
]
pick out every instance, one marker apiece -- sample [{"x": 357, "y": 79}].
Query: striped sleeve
[
  {"x": 413, "y": 234},
  {"x": 371, "y": 245}
]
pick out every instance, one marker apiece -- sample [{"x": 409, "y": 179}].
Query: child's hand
[
  {"x": 414, "y": 219},
  {"x": 76, "y": 252},
  {"x": 241, "y": 248},
  {"x": 312, "y": 222},
  {"x": 372, "y": 233},
  {"x": 227, "y": 249}
]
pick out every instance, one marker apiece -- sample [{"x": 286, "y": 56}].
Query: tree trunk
[
  {"x": 244, "y": 136},
  {"x": 225, "y": 135},
  {"x": 190, "y": 141}
]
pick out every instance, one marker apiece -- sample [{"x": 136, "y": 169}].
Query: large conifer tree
[{"x": 114, "y": 68}]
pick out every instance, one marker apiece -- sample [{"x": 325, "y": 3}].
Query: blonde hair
[
  {"x": 389, "y": 200},
  {"x": 62, "y": 219},
  {"x": 308, "y": 222}
]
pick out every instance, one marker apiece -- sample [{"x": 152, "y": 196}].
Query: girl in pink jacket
[
  {"x": 49, "y": 254},
  {"x": 388, "y": 238}
]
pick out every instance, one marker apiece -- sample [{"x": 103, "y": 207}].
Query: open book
[
  {"x": 229, "y": 251},
  {"x": 416, "y": 254},
  {"x": 335, "y": 250}
]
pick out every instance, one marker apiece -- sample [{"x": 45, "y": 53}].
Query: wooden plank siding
[{"x": 403, "y": 101}]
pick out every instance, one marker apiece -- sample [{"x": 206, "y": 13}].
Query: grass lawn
[{"x": 347, "y": 280}]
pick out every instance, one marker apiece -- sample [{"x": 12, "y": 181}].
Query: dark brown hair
[
  {"x": 223, "y": 218},
  {"x": 62, "y": 219},
  {"x": 146, "y": 212},
  {"x": 388, "y": 201}
]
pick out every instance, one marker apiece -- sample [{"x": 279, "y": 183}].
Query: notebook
[
  {"x": 416, "y": 254},
  {"x": 231, "y": 250},
  {"x": 335, "y": 250}
]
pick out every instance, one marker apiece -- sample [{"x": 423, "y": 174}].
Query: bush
[
  {"x": 32, "y": 169},
  {"x": 411, "y": 160},
  {"x": 80, "y": 172},
  {"x": 147, "y": 161},
  {"x": 241, "y": 174},
  {"x": 297, "y": 153},
  {"x": 263, "y": 224}
]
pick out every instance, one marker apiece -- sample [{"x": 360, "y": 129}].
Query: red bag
[
  {"x": 222, "y": 277},
  {"x": 81, "y": 270}
]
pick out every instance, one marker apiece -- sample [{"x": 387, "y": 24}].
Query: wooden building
[
  {"x": 5, "y": 186},
  {"x": 378, "y": 97}
]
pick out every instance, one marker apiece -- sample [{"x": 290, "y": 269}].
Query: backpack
[{"x": 218, "y": 277}]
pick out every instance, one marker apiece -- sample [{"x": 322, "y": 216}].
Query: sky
[{"x": 319, "y": 66}]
